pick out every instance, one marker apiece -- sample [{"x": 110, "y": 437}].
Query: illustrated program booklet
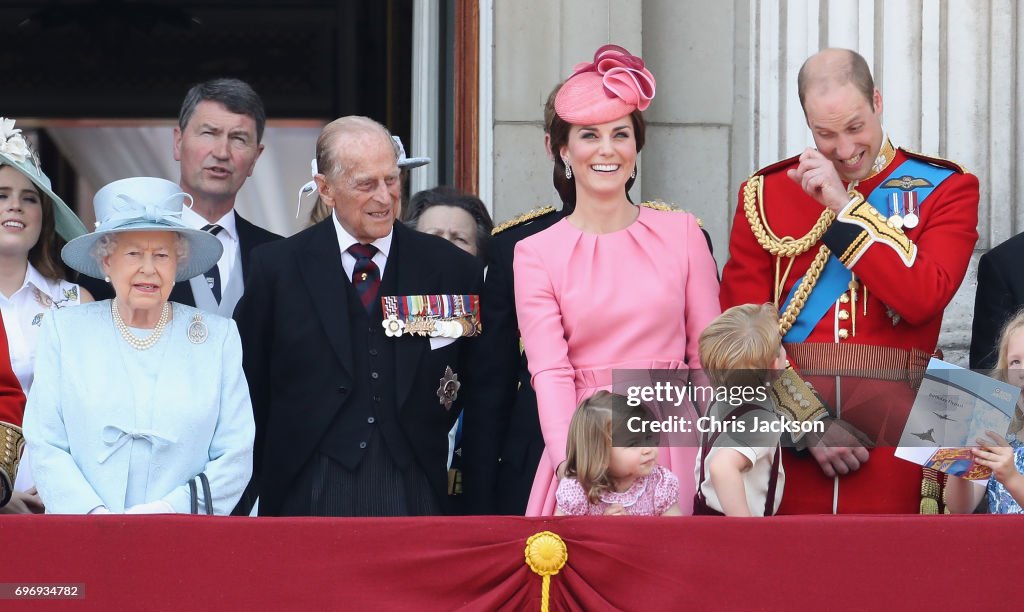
[{"x": 954, "y": 407}]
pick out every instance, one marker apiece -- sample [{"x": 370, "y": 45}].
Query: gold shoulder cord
[
  {"x": 529, "y": 215},
  {"x": 786, "y": 246},
  {"x": 659, "y": 205},
  {"x": 807, "y": 283}
]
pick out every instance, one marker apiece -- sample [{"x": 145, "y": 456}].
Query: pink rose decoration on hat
[{"x": 612, "y": 86}]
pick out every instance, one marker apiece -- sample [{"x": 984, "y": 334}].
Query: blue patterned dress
[{"x": 999, "y": 499}]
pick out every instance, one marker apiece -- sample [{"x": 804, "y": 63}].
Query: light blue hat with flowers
[
  {"x": 143, "y": 204},
  {"x": 16, "y": 152}
]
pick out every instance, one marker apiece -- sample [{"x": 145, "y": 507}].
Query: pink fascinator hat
[{"x": 614, "y": 85}]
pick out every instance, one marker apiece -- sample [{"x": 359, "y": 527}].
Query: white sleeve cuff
[{"x": 156, "y": 507}]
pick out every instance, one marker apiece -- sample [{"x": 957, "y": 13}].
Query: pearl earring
[
  {"x": 106, "y": 278},
  {"x": 633, "y": 173}
]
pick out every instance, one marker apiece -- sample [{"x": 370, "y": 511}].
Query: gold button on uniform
[
  {"x": 844, "y": 299},
  {"x": 843, "y": 315},
  {"x": 844, "y": 334}
]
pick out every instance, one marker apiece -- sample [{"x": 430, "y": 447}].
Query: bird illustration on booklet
[{"x": 955, "y": 407}]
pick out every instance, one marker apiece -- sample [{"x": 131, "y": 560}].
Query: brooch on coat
[
  {"x": 197, "y": 330},
  {"x": 437, "y": 316},
  {"x": 449, "y": 389}
]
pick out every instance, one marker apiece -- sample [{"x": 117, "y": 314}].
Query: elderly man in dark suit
[
  {"x": 217, "y": 142},
  {"x": 352, "y": 420}
]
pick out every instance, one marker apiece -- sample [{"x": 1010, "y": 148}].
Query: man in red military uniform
[
  {"x": 12, "y": 409},
  {"x": 861, "y": 246}
]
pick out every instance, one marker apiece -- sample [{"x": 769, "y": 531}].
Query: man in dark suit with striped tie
[
  {"x": 217, "y": 142},
  {"x": 352, "y": 420}
]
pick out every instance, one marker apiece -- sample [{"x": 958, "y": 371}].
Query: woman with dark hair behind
[
  {"x": 462, "y": 220},
  {"x": 611, "y": 286},
  {"x": 459, "y": 218}
]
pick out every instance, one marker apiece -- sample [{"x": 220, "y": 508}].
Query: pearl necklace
[{"x": 140, "y": 344}]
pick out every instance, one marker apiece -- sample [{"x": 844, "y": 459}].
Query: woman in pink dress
[{"x": 612, "y": 285}]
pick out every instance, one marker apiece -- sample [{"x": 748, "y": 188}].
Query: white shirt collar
[
  {"x": 345, "y": 240},
  {"x": 36, "y": 279},
  {"x": 33, "y": 279},
  {"x": 196, "y": 221}
]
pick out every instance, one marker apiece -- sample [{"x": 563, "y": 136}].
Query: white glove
[{"x": 156, "y": 507}]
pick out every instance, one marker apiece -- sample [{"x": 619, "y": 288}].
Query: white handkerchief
[{"x": 439, "y": 342}]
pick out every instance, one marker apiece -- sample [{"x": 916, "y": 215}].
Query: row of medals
[
  {"x": 898, "y": 221},
  {"x": 457, "y": 327}
]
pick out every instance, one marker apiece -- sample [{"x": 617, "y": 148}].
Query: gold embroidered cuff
[
  {"x": 795, "y": 399},
  {"x": 875, "y": 229},
  {"x": 12, "y": 444},
  {"x": 853, "y": 252}
]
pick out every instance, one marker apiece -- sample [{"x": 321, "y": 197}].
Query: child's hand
[
  {"x": 996, "y": 454},
  {"x": 615, "y": 510}
]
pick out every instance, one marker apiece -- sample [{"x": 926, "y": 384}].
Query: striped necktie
[
  {"x": 366, "y": 274},
  {"x": 213, "y": 274}
]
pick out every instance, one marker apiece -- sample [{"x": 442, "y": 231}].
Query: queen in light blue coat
[{"x": 135, "y": 396}]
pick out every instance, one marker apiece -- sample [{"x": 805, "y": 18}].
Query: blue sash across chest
[{"x": 835, "y": 277}]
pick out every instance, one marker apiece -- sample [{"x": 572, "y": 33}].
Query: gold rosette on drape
[{"x": 546, "y": 555}]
